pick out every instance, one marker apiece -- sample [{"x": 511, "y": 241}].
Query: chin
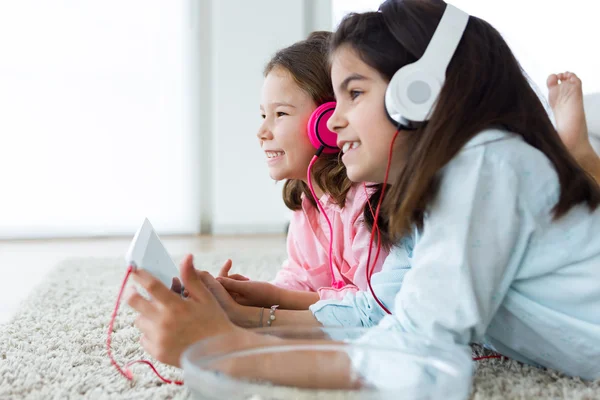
[
  {"x": 358, "y": 175},
  {"x": 277, "y": 175}
]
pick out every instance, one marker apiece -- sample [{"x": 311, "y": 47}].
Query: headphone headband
[{"x": 445, "y": 40}]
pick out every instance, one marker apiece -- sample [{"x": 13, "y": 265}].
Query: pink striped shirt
[{"x": 307, "y": 266}]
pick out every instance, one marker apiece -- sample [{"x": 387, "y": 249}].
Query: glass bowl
[{"x": 325, "y": 363}]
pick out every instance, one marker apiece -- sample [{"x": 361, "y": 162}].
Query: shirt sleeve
[
  {"x": 292, "y": 275},
  {"x": 359, "y": 308}
]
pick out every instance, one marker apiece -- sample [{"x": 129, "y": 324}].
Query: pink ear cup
[{"x": 318, "y": 133}]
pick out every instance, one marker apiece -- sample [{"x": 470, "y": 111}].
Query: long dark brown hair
[
  {"x": 485, "y": 87},
  {"x": 307, "y": 62}
]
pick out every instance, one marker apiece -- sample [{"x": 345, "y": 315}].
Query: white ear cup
[{"x": 411, "y": 94}]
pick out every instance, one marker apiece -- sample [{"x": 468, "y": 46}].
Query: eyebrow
[
  {"x": 283, "y": 104},
  {"x": 354, "y": 77}
]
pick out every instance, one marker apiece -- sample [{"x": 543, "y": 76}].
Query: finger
[
  {"x": 144, "y": 325},
  {"x": 147, "y": 344},
  {"x": 191, "y": 281},
  {"x": 213, "y": 285},
  {"x": 154, "y": 287},
  {"x": 224, "y": 272},
  {"x": 176, "y": 285},
  {"x": 143, "y": 340},
  {"x": 138, "y": 303},
  {"x": 234, "y": 286},
  {"x": 238, "y": 277}
]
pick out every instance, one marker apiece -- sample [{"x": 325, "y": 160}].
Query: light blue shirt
[{"x": 492, "y": 266}]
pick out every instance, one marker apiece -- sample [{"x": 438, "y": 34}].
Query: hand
[
  {"x": 170, "y": 324},
  {"x": 248, "y": 297},
  {"x": 226, "y": 300},
  {"x": 176, "y": 285},
  {"x": 224, "y": 273},
  {"x": 252, "y": 293}
]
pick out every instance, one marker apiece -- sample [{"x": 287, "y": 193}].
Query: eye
[
  {"x": 354, "y": 94},
  {"x": 263, "y": 116},
  {"x": 281, "y": 114}
]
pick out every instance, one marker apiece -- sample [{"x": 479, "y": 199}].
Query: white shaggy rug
[{"x": 54, "y": 347}]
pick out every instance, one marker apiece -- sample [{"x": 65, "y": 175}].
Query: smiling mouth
[
  {"x": 274, "y": 154},
  {"x": 349, "y": 146}
]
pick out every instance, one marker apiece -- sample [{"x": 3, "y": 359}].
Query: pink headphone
[
  {"x": 320, "y": 136},
  {"x": 325, "y": 141}
]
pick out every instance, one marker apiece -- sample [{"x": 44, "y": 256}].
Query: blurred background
[{"x": 116, "y": 110}]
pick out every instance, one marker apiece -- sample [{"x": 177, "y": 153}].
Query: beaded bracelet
[{"x": 272, "y": 315}]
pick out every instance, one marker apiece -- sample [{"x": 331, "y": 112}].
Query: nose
[
  {"x": 336, "y": 121},
  {"x": 264, "y": 132}
]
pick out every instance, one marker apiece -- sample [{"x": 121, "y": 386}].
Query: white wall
[
  {"x": 113, "y": 111},
  {"x": 592, "y": 113},
  {"x": 245, "y": 199},
  {"x": 342, "y": 7},
  {"x": 92, "y": 124},
  {"x": 547, "y": 36}
]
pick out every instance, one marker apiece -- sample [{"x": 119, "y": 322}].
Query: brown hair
[
  {"x": 307, "y": 63},
  {"x": 485, "y": 87}
]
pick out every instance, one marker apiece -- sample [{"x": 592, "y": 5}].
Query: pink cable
[
  {"x": 334, "y": 283},
  {"x": 125, "y": 371},
  {"x": 370, "y": 270},
  {"x": 378, "y": 234}
]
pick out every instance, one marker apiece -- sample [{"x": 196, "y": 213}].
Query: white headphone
[{"x": 414, "y": 88}]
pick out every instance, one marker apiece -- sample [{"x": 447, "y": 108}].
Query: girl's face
[
  {"x": 364, "y": 131},
  {"x": 285, "y": 109}
]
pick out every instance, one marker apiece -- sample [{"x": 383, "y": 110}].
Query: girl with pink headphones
[{"x": 328, "y": 240}]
